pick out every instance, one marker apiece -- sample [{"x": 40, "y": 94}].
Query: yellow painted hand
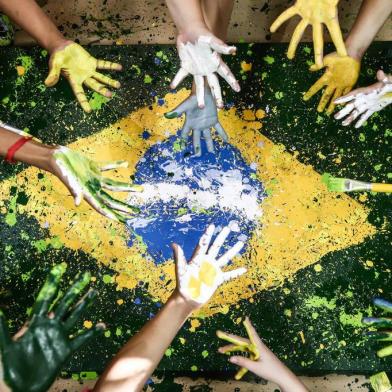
[
  {"x": 79, "y": 67},
  {"x": 238, "y": 344},
  {"x": 340, "y": 77},
  {"x": 315, "y": 13}
]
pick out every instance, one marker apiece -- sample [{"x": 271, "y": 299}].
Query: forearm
[
  {"x": 186, "y": 17},
  {"x": 32, "y": 152},
  {"x": 217, "y": 16},
  {"x": 136, "y": 361},
  {"x": 371, "y": 17},
  {"x": 30, "y": 17},
  {"x": 289, "y": 382}
]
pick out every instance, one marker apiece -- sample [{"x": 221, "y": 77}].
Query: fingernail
[
  {"x": 233, "y": 360},
  {"x": 171, "y": 115}
]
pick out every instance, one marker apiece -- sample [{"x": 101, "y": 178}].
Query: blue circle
[{"x": 162, "y": 224}]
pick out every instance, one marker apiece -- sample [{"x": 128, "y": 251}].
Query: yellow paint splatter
[
  {"x": 195, "y": 323},
  {"x": 294, "y": 232},
  {"x": 20, "y": 70},
  {"x": 318, "y": 268},
  {"x": 87, "y": 324},
  {"x": 120, "y": 301},
  {"x": 246, "y": 67}
]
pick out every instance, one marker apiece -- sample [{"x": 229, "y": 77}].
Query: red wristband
[{"x": 15, "y": 147}]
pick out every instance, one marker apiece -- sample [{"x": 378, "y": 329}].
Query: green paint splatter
[
  {"x": 118, "y": 331},
  {"x": 178, "y": 145},
  {"x": 194, "y": 368},
  {"x": 320, "y": 302},
  {"x": 279, "y": 95},
  {"x": 147, "y": 79},
  {"x": 169, "y": 352},
  {"x": 10, "y": 218},
  {"x": 136, "y": 68},
  {"x": 378, "y": 167},
  {"x": 88, "y": 375},
  {"x": 269, "y": 60},
  {"x": 97, "y": 101},
  {"x": 352, "y": 320},
  {"x": 107, "y": 334},
  {"x": 107, "y": 279},
  {"x": 362, "y": 137},
  {"x": 205, "y": 354},
  {"x": 307, "y": 49}
]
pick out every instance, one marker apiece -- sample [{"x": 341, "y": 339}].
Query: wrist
[
  {"x": 183, "y": 305},
  {"x": 353, "y": 50},
  {"x": 56, "y": 44}
]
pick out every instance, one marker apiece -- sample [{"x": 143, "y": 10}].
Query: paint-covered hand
[
  {"x": 34, "y": 356},
  {"x": 198, "y": 280},
  {"x": 315, "y": 13},
  {"x": 83, "y": 178},
  {"x": 201, "y": 57},
  {"x": 79, "y": 67},
  {"x": 383, "y": 323},
  {"x": 366, "y": 101},
  {"x": 249, "y": 346},
  {"x": 199, "y": 121},
  {"x": 341, "y": 75}
]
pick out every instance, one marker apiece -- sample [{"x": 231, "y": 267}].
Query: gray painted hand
[{"x": 200, "y": 121}]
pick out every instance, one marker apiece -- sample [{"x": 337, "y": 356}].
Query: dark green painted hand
[
  {"x": 381, "y": 322},
  {"x": 32, "y": 360}
]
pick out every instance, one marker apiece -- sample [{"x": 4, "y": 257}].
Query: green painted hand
[
  {"x": 79, "y": 67},
  {"x": 200, "y": 121},
  {"x": 33, "y": 358},
  {"x": 83, "y": 177},
  {"x": 381, "y": 322}
]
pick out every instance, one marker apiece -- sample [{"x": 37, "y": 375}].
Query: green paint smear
[
  {"x": 205, "y": 354},
  {"x": 97, "y": 101},
  {"x": 269, "y": 60},
  {"x": 279, "y": 95},
  {"x": 107, "y": 279},
  {"x": 352, "y": 320},
  {"x": 43, "y": 245},
  {"x": 320, "y": 302},
  {"x": 147, "y": 79},
  {"x": 27, "y": 63},
  {"x": 10, "y": 218}
]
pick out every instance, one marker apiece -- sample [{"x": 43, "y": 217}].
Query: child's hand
[
  {"x": 198, "y": 280},
  {"x": 199, "y": 121},
  {"x": 366, "y": 101},
  {"x": 315, "y": 13},
  {"x": 83, "y": 177},
  {"x": 341, "y": 75},
  {"x": 264, "y": 364},
  {"x": 33, "y": 358},
  {"x": 79, "y": 67},
  {"x": 200, "y": 57}
]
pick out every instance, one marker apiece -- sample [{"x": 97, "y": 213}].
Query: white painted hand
[
  {"x": 198, "y": 280},
  {"x": 366, "y": 101},
  {"x": 202, "y": 59},
  {"x": 199, "y": 121}
]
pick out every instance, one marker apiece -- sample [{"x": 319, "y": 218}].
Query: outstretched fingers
[
  {"x": 80, "y": 95},
  {"x": 208, "y": 139},
  {"x": 180, "y": 261},
  {"x": 323, "y": 81},
  {"x": 72, "y": 293},
  {"x": 180, "y": 76},
  {"x": 283, "y": 17},
  {"x": 119, "y": 186},
  {"x": 81, "y": 339},
  {"x": 297, "y": 35},
  {"x": 221, "y": 132},
  {"x": 204, "y": 242},
  {"x": 337, "y": 37},
  {"x": 318, "y": 45},
  {"x": 79, "y": 309},
  {"x": 49, "y": 290},
  {"x": 233, "y": 251},
  {"x": 225, "y": 72},
  {"x": 229, "y": 275},
  {"x": 217, "y": 244},
  {"x": 108, "y": 65}
]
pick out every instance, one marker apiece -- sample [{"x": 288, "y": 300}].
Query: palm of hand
[
  {"x": 200, "y": 121},
  {"x": 199, "y": 279},
  {"x": 341, "y": 75},
  {"x": 45, "y": 343},
  {"x": 316, "y": 10},
  {"x": 76, "y": 63}
]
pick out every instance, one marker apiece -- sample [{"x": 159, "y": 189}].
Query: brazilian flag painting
[{"x": 315, "y": 259}]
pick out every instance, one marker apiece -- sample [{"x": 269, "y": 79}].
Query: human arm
[
  {"x": 45, "y": 339},
  {"x": 82, "y": 176},
  {"x": 198, "y": 46},
  {"x": 29, "y": 16},
  {"x": 371, "y": 17},
  {"x": 66, "y": 57},
  {"x": 196, "y": 283},
  {"x": 265, "y": 364}
]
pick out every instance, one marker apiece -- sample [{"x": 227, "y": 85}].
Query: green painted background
[{"x": 326, "y": 306}]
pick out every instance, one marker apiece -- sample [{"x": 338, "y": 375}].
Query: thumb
[
  {"x": 245, "y": 362},
  {"x": 381, "y": 77},
  {"x": 54, "y": 73}
]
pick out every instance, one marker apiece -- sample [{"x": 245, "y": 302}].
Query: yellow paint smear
[{"x": 301, "y": 220}]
